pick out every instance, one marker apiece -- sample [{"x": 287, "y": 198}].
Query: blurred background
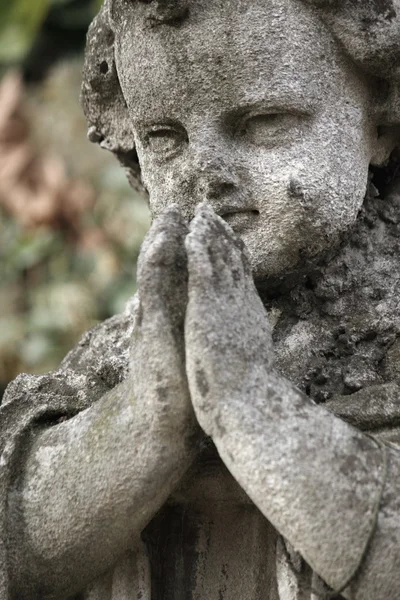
[{"x": 70, "y": 226}]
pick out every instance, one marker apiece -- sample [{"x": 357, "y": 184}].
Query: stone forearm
[
  {"x": 89, "y": 487},
  {"x": 317, "y": 479}
]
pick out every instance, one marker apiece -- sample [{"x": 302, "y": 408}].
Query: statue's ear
[{"x": 102, "y": 98}]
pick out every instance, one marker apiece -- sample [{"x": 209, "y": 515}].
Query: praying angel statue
[{"x": 234, "y": 434}]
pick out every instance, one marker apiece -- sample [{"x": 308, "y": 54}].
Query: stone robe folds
[{"x": 96, "y": 365}]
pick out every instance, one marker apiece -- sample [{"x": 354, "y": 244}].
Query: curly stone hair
[{"x": 367, "y": 30}]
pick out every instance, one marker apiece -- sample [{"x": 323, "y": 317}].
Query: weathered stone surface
[{"x": 222, "y": 439}]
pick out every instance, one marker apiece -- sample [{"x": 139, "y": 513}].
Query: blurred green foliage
[
  {"x": 56, "y": 282},
  {"x": 20, "y": 22}
]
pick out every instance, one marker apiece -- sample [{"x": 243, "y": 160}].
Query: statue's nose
[{"x": 215, "y": 176}]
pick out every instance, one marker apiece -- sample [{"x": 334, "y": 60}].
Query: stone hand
[
  {"x": 139, "y": 437},
  {"x": 319, "y": 481},
  {"x": 227, "y": 334},
  {"x": 157, "y": 353}
]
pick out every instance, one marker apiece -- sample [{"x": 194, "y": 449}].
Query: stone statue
[{"x": 235, "y": 433}]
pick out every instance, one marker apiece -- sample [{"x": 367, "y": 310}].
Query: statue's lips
[{"x": 241, "y": 220}]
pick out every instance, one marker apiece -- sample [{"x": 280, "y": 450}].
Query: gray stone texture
[{"x": 235, "y": 433}]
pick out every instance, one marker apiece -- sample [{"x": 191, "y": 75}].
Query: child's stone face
[{"x": 250, "y": 106}]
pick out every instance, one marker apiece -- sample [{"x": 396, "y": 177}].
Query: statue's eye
[
  {"x": 165, "y": 140},
  {"x": 267, "y": 129}
]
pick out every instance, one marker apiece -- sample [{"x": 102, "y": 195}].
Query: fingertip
[
  {"x": 174, "y": 216},
  {"x": 172, "y": 209},
  {"x": 203, "y": 219},
  {"x": 204, "y": 207},
  {"x": 170, "y": 221}
]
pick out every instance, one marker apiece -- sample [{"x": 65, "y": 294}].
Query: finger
[
  {"x": 162, "y": 273},
  {"x": 173, "y": 225},
  {"x": 215, "y": 253},
  {"x": 217, "y": 224}
]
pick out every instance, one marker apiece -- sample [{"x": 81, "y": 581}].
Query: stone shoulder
[{"x": 98, "y": 363}]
